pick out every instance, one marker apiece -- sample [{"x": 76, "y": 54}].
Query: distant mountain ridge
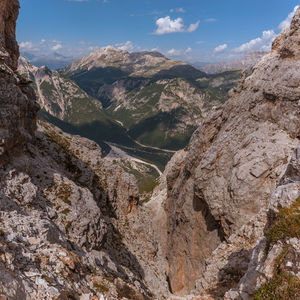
[
  {"x": 66, "y": 105},
  {"x": 144, "y": 64},
  {"x": 159, "y": 101},
  {"x": 51, "y": 60},
  {"x": 248, "y": 61}
]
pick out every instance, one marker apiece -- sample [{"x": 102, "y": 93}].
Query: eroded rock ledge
[{"x": 233, "y": 164}]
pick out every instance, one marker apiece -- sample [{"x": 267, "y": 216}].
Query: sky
[{"x": 189, "y": 30}]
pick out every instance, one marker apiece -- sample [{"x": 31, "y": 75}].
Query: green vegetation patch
[
  {"x": 282, "y": 286},
  {"x": 286, "y": 225},
  {"x": 100, "y": 287},
  {"x": 64, "y": 192},
  {"x": 59, "y": 139},
  {"x": 47, "y": 88},
  {"x": 149, "y": 187}
]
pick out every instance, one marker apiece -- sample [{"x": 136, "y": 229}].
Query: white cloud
[
  {"x": 220, "y": 48},
  {"x": 167, "y": 25},
  {"x": 178, "y": 10},
  {"x": 25, "y": 46},
  {"x": 128, "y": 46},
  {"x": 287, "y": 22},
  {"x": 261, "y": 43},
  {"x": 193, "y": 27},
  {"x": 174, "y": 52},
  {"x": 264, "y": 42},
  {"x": 178, "y": 52},
  {"x": 57, "y": 47}
]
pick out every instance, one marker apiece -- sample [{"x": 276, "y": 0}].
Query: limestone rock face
[
  {"x": 234, "y": 161},
  {"x": 9, "y": 10},
  {"x": 17, "y": 101},
  {"x": 67, "y": 216}
]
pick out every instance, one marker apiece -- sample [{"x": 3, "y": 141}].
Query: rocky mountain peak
[
  {"x": 108, "y": 51},
  {"x": 287, "y": 43},
  {"x": 9, "y": 50}
]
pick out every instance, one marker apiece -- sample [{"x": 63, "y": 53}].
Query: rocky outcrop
[
  {"x": 57, "y": 95},
  {"x": 275, "y": 251},
  {"x": 67, "y": 216},
  {"x": 17, "y": 102},
  {"x": 72, "y": 227},
  {"x": 9, "y": 54},
  {"x": 234, "y": 162}
]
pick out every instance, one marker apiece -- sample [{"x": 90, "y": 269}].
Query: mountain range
[
  {"x": 222, "y": 221},
  {"x": 247, "y": 62},
  {"x": 147, "y": 101}
]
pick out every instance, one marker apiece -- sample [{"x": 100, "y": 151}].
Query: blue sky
[{"x": 192, "y": 30}]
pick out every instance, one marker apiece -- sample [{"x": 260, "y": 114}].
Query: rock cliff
[
  {"x": 222, "y": 224},
  {"x": 18, "y": 107},
  {"x": 67, "y": 216},
  {"x": 233, "y": 165}
]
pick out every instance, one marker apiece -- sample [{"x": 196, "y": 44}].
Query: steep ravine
[
  {"x": 67, "y": 216},
  {"x": 72, "y": 225},
  {"x": 225, "y": 180}
]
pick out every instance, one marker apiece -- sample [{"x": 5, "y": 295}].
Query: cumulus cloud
[
  {"x": 25, "y": 46},
  {"x": 128, "y": 46},
  {"x": 167, "y": 25},
  {"x": 193, "y": 27},
  {"x": 220, "y": 48},
  {"x": 57, "y": 47},
  {"x": 264, "y": 42},
  {"x": 174, "y": 52},
  {"x": 178, "y": 52},
  {"x": 287, "y": 22},
  {"x": 261, "y": 43}
]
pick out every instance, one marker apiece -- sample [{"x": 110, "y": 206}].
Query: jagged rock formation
[
  {"x": 18, "y": 107},
  {"x": 232, "y": 167},
  {"x": 57, "y": 95},
  {"x": 66, "y": 105},
  {"x": 247, "y": 62},
  {"x": 67, "y": 216},
  {"x": 72, "y": 227}
]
